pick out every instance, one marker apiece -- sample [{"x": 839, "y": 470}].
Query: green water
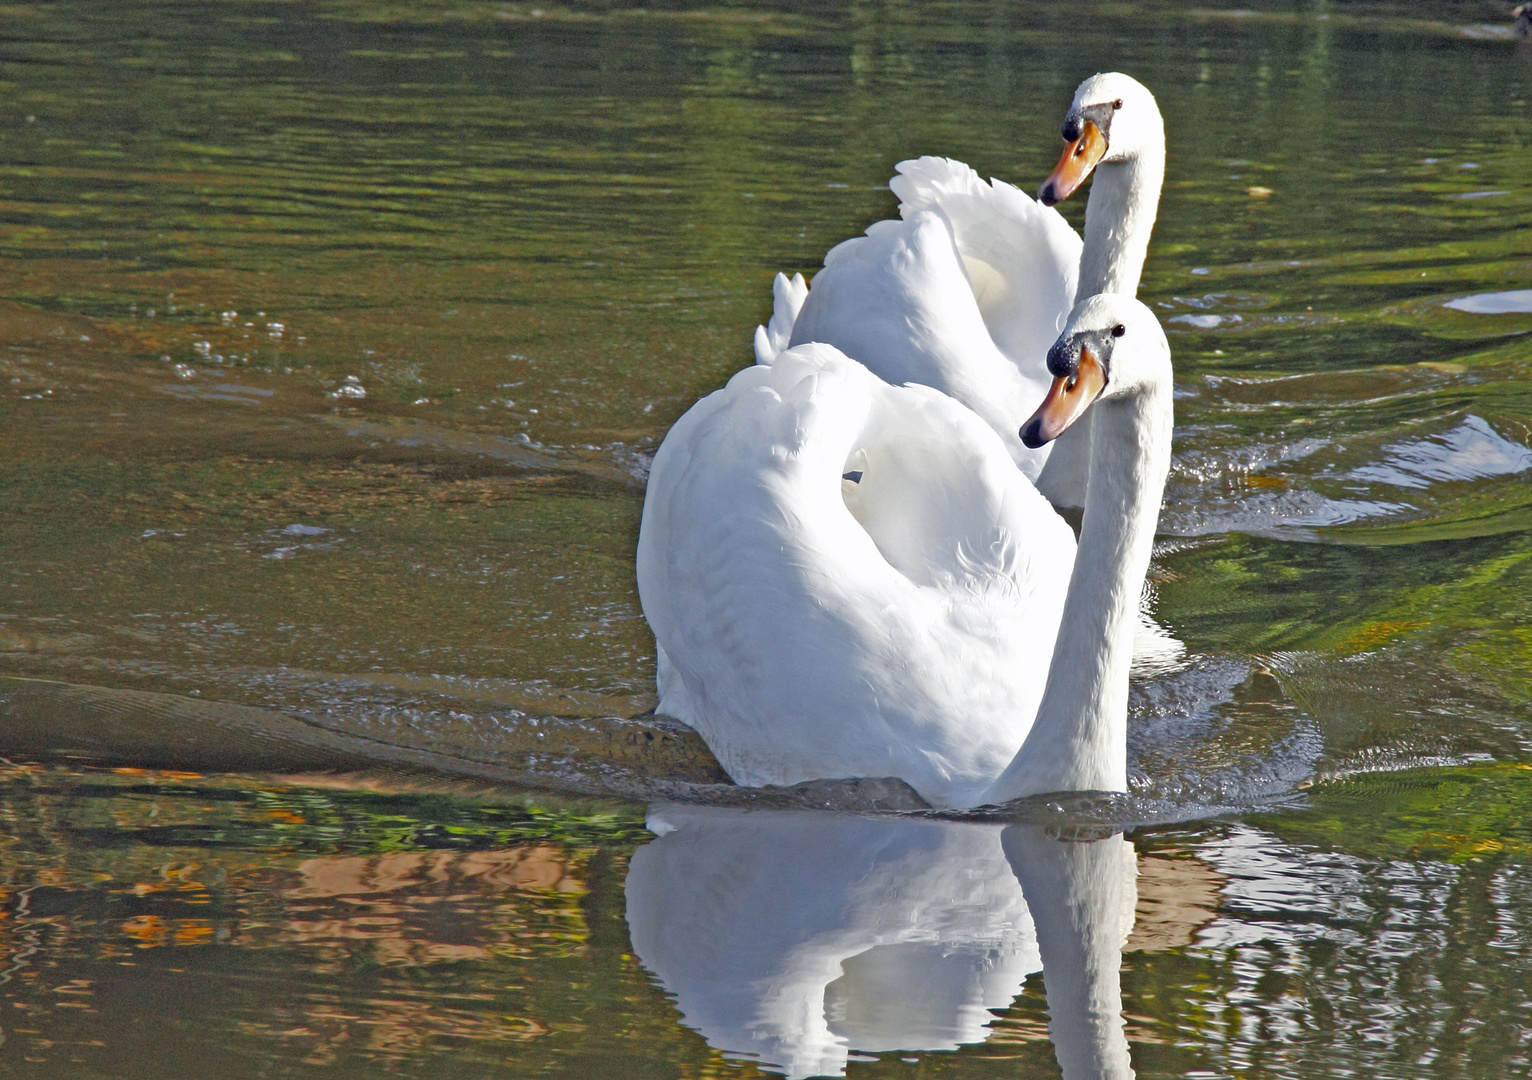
[{"x": 335, "y": 338}]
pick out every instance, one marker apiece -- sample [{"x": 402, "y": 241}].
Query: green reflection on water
[{"x": 1460, "y": 814}]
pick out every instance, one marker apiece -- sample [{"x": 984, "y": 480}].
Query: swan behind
[{"x": 969, "y": 289}]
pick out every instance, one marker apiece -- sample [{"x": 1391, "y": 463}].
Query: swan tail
[{"x": 787, "y": 295}]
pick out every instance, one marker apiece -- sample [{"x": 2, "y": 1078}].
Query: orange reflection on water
[{"x": 533, "y": 867}]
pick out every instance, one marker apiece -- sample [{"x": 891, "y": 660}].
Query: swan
[
  {"x": 847, "y": 578},
  {"x": 967, "y": 291},
  {"x": 799, "y": 938}
]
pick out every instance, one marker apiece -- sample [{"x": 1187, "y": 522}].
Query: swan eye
[
  {"x": 1119, "y": 330},
  {"x": 1070, "y": 385},
  {"x": 1117, "y": 104}
]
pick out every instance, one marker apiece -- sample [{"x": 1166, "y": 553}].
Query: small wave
[
  {"x": 1292, "y": 514},
  {"x": 1513, "y": 302},
  {"x": 1205, "y": 322},
  {"x": 1471, "y": 451}
]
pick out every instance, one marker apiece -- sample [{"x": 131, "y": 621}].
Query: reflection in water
[
  {"x": 1082, "y": 898},
  {"x": 179, "y": 926},
  {"x": 801, "y": 938}
]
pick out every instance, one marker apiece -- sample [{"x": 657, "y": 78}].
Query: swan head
[
  {"x": 1112, "y": 118},
  {"x": 1112, "y": 347}
]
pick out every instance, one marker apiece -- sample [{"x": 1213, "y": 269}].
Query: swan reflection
[{"x": 800, "y": 938}]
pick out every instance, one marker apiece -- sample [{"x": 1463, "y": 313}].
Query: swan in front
[
  {"x": 847, "y": 578},
  {"x": 969, "y": 289}
]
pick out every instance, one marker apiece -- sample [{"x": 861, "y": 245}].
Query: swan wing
[
  {"x": 898, "y": 623},
  {"x": 1022, "y": 257},
  {"x": 899, "y": 301}
]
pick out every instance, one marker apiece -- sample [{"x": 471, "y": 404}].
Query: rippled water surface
[{"x": 336, "y": 338}]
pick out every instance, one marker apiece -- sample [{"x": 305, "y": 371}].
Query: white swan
[
  {"x": 967, "y": 292},
  {"x": 847, "y": 578},
  {"x": 800, "y": 938}
]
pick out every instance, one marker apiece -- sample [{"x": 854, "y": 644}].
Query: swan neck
[
  {"x": 1119, "y": 216},
  {"x": 1079, "y": 740}
]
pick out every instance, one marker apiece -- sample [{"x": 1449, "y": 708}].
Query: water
[{"x": 336, "y": 342}]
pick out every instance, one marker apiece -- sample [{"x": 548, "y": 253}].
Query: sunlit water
[{"x": 336, "y": 341}]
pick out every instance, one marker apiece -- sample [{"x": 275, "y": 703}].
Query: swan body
[
  {"x": 848, "y": 578},
  {"x": 966, "y": 292},
  {"x": 809, "y": 626}
]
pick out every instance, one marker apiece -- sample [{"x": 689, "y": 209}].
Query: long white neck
[
  {"x": 1119, "y": 216},
  {"x": 1079, "y": 740}
]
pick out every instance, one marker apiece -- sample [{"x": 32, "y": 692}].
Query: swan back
[{"x": 812, "y": 626}]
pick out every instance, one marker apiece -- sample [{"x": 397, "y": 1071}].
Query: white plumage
[
  {"x": 847, "y": 578},
  {"x": 811, "y": 626}
]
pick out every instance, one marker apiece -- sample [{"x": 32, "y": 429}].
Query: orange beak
[
  {"x": 1068, "y": 397},
  {"x": 1080, "y": 157}
]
